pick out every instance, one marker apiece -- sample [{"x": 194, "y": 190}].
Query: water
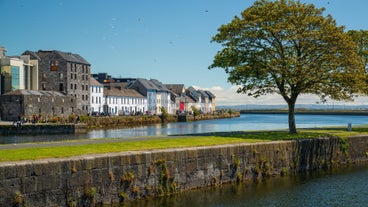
[
  {"x": 246, "y": 122},
  {"x": 344, "y": 187}
]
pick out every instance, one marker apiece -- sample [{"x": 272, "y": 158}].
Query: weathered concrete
[{"x": 112, "y": 178}]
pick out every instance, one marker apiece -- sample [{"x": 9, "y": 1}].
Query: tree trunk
[{"x": 292, "y": 125}]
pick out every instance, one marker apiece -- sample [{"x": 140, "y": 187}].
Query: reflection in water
[
  {"x": 344, "y": 187},
  {"x": 246, "y": 122}
]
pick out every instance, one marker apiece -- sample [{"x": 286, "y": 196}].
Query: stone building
[
  {"x": 66, "y": 73},
  {"x": 41, "y": 103}
]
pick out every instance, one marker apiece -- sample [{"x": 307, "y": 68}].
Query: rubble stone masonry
[{"x": 113, "y": 178}]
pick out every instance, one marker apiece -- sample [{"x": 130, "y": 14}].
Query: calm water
[
  {"x": 345, "y": 187},
  {"x": 246, "y": 122}
]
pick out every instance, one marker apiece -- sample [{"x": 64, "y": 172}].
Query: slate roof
[
  {"x": 202, "y": 93},
  {"x": 147, "y": 84},
  {"x": 176, "y": 88},
  {"x": 94, "y": 82},
  {"x": 117, "y": 85},
  {"x": 33, "y": 55},
  {"x": 192, "y": 92},
  {"x": 161, "y": 87},
  {"x": 68, "y": 56},
  {"x": 123, "y": 92},
  {"x": 211, "y": 95}
]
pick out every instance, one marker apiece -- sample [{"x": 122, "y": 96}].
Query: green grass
[{"x": 33, "y": 153}]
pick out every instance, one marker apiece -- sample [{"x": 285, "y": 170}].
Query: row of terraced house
[{"x": 50, "y": 83}]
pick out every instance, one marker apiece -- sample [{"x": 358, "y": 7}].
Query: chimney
[{"x": 2, "y": 52}]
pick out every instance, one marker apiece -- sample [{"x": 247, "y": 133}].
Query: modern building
[
  {"x": 17, "y": 72},
  {"x": 64, "y": 72}
]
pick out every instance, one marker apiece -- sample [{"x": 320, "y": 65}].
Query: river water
[
  {"x": 246, "y": 122},
  {"x": 342, "y": 187}
]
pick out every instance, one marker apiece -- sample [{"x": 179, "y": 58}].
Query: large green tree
[
  {"x": 289, "y": 48},
  {"x": 361, "y": 40}
]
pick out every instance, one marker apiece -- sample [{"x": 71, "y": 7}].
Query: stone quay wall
[
  {"x": 34, "y": 129},
  {"x": 96, "y": 180}
]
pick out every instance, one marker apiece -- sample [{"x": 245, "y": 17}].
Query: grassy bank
[{"x": 36, "y": 151}]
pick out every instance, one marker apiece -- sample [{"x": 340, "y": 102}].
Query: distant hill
[{"x": 298, "y": 106}]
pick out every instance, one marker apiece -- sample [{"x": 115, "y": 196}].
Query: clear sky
[{"x": 167, "y": 40}]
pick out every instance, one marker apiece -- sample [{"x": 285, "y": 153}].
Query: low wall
[
  {"x": 42, "y": 129},
  {"x": 93, "y": 180}
]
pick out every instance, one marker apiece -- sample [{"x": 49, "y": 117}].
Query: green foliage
[
  {"x": 89, "y": 196},
  {"x": 17, "y": 199},
  {"x": 196, "y": 112},
  {"x": 360, "y": 38},
  {"x": 344, "y": 145},
  {"x": 289, "y": 48},
  {"x": 128, "y": 177},
  {"x": 164, "y": 114}
]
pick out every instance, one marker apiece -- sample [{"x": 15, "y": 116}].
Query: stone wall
[
  {"x": 93, "y": 180},
  {"x": 34, "y": 129}
]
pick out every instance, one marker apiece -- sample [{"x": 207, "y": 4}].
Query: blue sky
[{"x": 166, "y": 40}]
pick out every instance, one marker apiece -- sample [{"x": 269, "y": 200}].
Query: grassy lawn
[{"x": 171, "y": 142}]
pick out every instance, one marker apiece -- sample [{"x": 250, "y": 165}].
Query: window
[
  {"x": 54, "y": 65},
  {"x": 71, "y": 86},
  {"x": 61, "y": 76},
  {"x": 71, "y": 75},
  {"x": 43, "y": 76},
  {"x": 75, "y": 86},
  {"x": 15, "y": 84},
  {"x": 75, "y": 75},
  {"x": 44, "y": 86},
  {"x": 61, "y": 87}
]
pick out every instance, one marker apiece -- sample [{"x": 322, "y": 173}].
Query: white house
[
  {"x": 121, "y": 101},
  {"x": 96, "y": 96}
]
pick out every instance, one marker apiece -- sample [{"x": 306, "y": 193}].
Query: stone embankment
[
  {"x": 7, "y": 128},
  {"x": 94, "y": 180},
  {"x": 34, "y": 129}
]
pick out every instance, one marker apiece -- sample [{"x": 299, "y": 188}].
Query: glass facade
[{"x": 15, "y": 83}]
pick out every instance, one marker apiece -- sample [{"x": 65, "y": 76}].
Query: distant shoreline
[{"x": 308, "y": 112}]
